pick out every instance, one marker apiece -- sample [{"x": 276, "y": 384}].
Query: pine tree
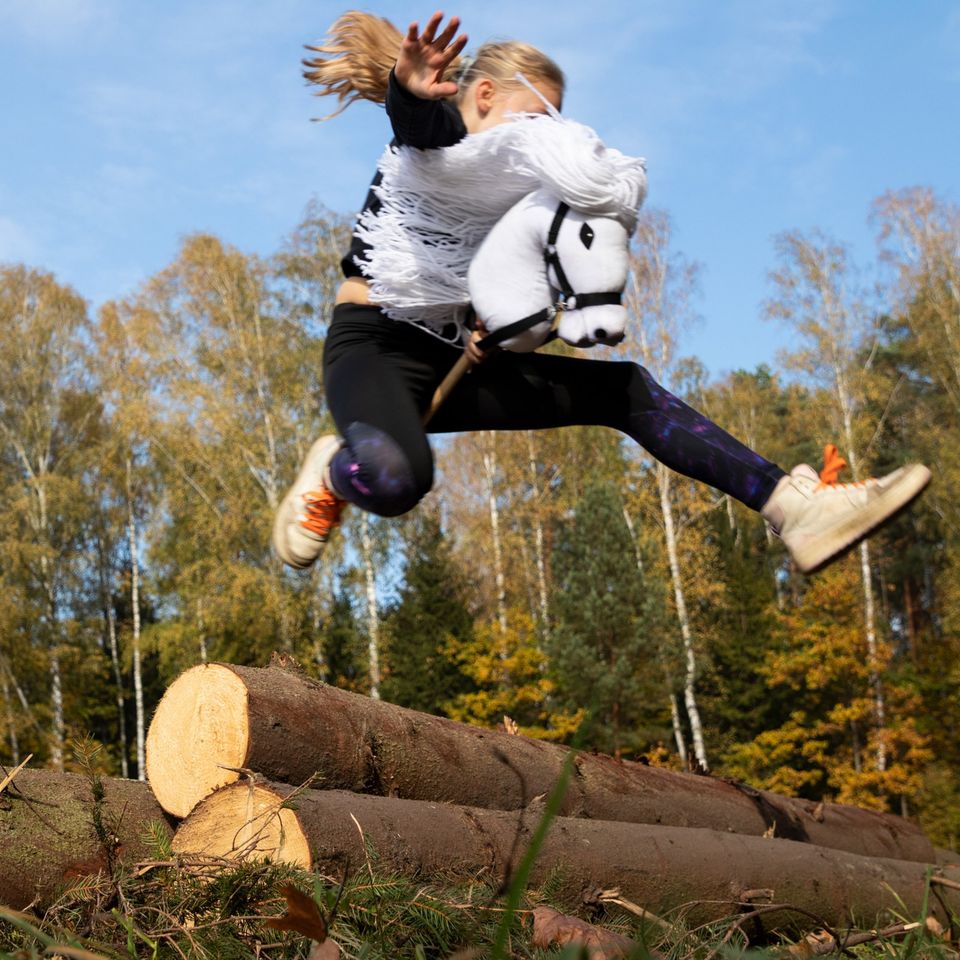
[
  {"x": 427, "y": 625},
  {"x": 601, "y": 653},
  {"x": 344, "y": 647}
]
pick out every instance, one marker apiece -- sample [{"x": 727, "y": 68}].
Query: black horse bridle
[{"x": 569, "y": 299}]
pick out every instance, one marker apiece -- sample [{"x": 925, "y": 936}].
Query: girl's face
[{"x": 486, "y": 104}]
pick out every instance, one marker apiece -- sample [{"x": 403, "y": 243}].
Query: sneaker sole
[
  {"x": 319, "y": 449},
  {"x": 829, "y": 545}
]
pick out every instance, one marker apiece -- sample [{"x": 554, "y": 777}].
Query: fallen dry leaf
[
  {"x": 553, "y": 929},
  {"x": 814, "y": 944},
  {"x": 303, "y": 915},
  {"x": 510, "y": 725}
]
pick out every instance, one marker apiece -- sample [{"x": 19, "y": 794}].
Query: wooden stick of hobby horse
[
  {"x": 456, "y": 372},
  {"x": 446, "y": 387}
]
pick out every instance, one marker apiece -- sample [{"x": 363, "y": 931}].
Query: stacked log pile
[{"x": 268, "y": 762}]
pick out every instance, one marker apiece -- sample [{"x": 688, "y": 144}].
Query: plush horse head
[{"x": 545, "y": 266}]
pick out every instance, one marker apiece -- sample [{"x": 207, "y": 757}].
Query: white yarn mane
[{"x": 438, "y": 205}]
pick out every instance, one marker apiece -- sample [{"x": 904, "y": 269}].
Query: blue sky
[{"x": 128, "y": 124}]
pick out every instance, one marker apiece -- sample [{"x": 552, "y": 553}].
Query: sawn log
[
  {"x": 217, "y": 719},
  {"x": 660, "y": 868}
]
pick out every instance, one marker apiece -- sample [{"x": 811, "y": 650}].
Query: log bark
[
  {"x": 660, "y": 868},
  {"x": 47, "y": 835},
  {"x": 288, "y": 728}
]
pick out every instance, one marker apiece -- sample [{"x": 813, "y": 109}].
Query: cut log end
[
  {"x": 200, "y": 729},
  {"x": 243, "y": 822}
]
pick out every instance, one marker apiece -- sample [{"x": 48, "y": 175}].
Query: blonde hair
[{"x": 361, "y": 49}]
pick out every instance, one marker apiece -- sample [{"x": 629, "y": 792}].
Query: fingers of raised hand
[
  {"x": 429, "y": 37},
  {"x": 449, "y": 33}
]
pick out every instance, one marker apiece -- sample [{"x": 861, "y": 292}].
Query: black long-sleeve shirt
[{"x": 425, "y": 124}]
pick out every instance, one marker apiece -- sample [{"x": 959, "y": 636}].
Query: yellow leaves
[
  {"x": 509, "y": 668},
  {"x": 787, "y": 760},
  {"x": 832, "y": 742}
]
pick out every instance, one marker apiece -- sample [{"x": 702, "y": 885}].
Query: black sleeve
[{"x": 422, "y": 123}]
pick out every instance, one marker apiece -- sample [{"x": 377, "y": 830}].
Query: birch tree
[
  {"x": 816, "y": 295},
  {"x": 659, "y": 300},
  {"x": 235, "y": 407},
  {"x": 49, "y": 420}
]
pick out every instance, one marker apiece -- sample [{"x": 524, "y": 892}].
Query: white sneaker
[
  {"x": 310, "y": 511},
  {"x": 818, "y": 518}
]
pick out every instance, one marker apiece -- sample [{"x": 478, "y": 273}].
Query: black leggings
[{"x": 381, "y": 375}]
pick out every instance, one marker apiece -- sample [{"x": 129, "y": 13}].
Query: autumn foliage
[{"x": 588, "y": 594}]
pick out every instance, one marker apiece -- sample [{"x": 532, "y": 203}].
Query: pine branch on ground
[{"x": 201, "y": 908}]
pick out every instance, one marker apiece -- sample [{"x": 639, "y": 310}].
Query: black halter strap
[{"x": 569, "y": 299}]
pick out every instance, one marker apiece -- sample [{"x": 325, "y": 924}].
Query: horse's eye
[{"x": 586, "y": 235}]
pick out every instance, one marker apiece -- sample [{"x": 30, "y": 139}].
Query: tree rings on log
[
  {"x": 199, "y": 737},
  {"x": 245, "y": 821}
]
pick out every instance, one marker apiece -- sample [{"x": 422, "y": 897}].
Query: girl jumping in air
[{"x": 381, "y": 374}]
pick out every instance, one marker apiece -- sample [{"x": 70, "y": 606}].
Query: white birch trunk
[
  {"x": 56, "y": 701},
  {"x": 732, "y": 520},
  {"x": 56, "y": 682},
  {"x": 373, "y": 617},
  {"x": 489, "y": 472},
  {"x": 675, "y": 718},
  {"x": 876, "y": 680},
  {"x": 690, "y": 674},
  {"x": 659, "y": 366},
  {"x": 678, "y": 730},
  {"x": 118, "y": 680},
  {"x": 201, "y": 631},
  {"x": 11, "y": 718},
  {"x": 866, "y": 579},
  {"x": 538, "y": 539},
  {"x": 7, "y": 670},
  {"x": 778, "y": 585},
  {"x": 110, "y": 623},
  {"x": 135, "y": 639}
]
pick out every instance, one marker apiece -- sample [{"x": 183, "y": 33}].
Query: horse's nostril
[{"x": 599, "y": 334}]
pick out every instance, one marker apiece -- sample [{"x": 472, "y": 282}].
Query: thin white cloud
[{"x": 52, "y": 21}]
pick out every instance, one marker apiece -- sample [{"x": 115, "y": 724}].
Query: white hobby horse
[
  {"x": 514, "y": 223},
  {"x": 543, "y": 257}
]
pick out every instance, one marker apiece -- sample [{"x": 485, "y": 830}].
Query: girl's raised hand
[{"x": 424, "y": 57}]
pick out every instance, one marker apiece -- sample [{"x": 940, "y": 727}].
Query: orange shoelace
[
  {"x": 833, "y": 463},
  {"x": 323, "y": 511}
]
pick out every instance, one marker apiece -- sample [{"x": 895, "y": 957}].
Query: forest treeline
[{"x": 561, "y": 579}]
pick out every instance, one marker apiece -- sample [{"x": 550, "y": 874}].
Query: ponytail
[{"x": 356, "y": 59}]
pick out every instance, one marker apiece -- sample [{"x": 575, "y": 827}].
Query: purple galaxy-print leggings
[{"x": 380, "y": 376}]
